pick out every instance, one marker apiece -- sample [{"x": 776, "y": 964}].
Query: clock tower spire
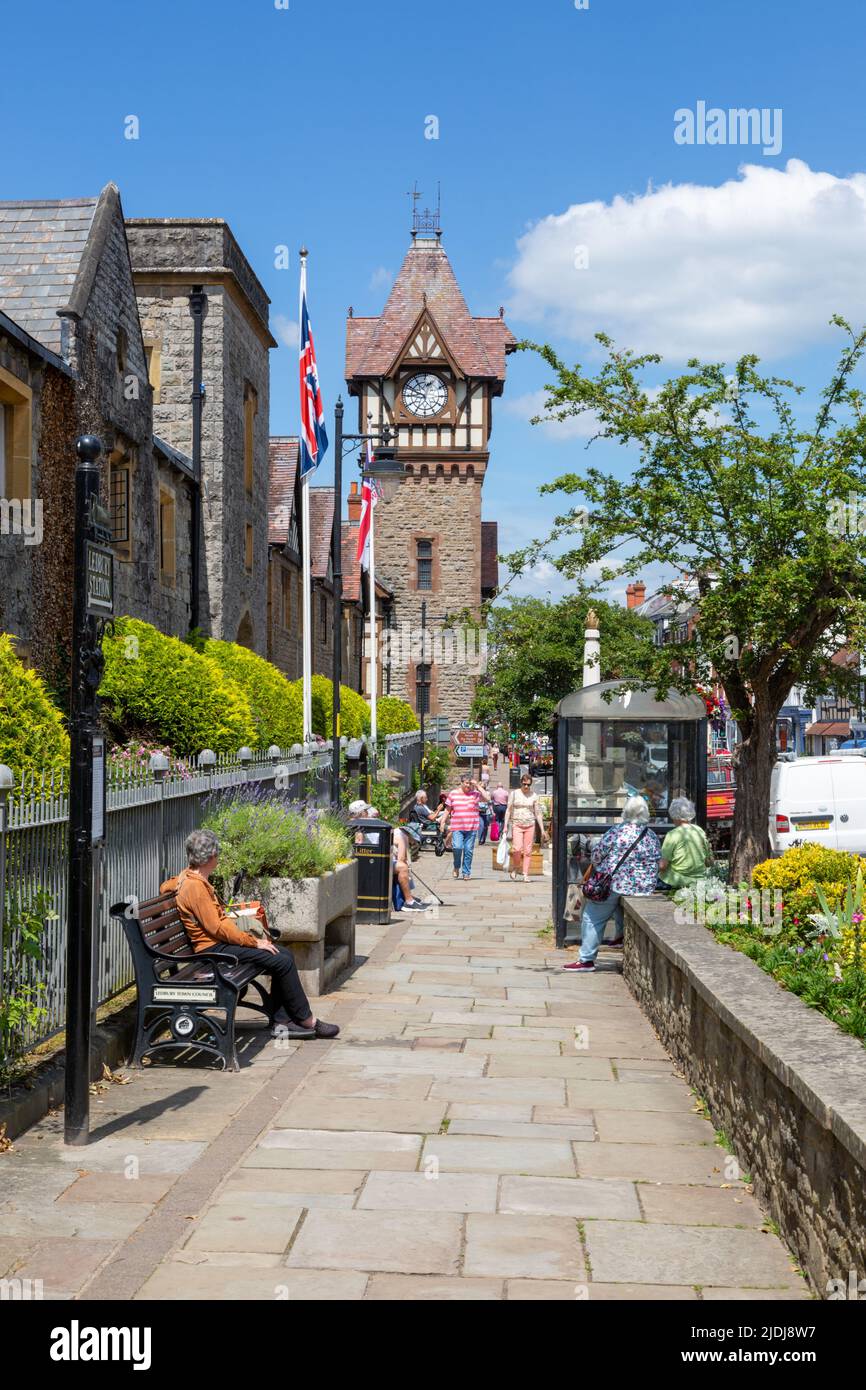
[{"x": 430, "y": 370}]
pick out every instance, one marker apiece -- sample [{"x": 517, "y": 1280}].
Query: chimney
[
  {"x": 354, "y": 503},
  {"x": 636, "y": 594}
]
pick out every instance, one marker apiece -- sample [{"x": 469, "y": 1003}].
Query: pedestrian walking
[
  {"x": 499, "y": 803},
  {"x": 522, "y": 815},
  {"x": 494, "y": 755},
  {"x": 463, "y": 820},
  {"x": 624, "y": 861}
]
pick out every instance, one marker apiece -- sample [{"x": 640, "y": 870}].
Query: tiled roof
[
  {"x": 41, "y": 245},
  {"x": 477, "y": 345},
  {"x": 283, "y": 451},
  {"x": 351, "y": 565},
  {"x": 489, "y": 552},
  {"x": 321, "y": 530}
]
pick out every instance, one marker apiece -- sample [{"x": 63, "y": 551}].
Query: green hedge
[
  {"x": 395, "y": 716},
  {"x": 354, "y": 711},
  {"x": 32, "y": 733},
  {"x": 162, "y": 687},
  {"x": 276, "y": 703}
]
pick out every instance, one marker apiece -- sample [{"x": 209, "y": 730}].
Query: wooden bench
[{"x": 185, "y": 1000}]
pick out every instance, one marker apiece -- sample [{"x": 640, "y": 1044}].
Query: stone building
[
  {"x": 431, "y": 371},
  {"x": 170, "y": 257},
  {"x": 74, "y": 361}
]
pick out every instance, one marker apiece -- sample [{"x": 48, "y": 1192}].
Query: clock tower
[{"x": 431, "y": 371}]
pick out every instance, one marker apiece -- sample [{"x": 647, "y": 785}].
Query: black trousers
[{"x": 288, "y": 990}]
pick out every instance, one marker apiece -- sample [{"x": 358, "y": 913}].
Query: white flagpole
[{"x": 305, "y": 569}]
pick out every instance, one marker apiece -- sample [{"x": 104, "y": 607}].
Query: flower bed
[
  {"x": 818, "y": 950},
  {"x": 264, "y": 836}
]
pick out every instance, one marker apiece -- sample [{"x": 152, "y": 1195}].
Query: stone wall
[
  {"x": 169, "y": 257},
  {"x": 782, "y": 1082},
  {"x": 445, "y": 508}
]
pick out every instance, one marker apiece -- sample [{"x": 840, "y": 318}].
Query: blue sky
[{"x": 556, "y": 130}]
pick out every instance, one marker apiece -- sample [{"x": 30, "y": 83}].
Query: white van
[{"x": 819, "y": 799}]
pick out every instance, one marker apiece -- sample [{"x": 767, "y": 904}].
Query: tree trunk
[{"x": 754, "y": 759}]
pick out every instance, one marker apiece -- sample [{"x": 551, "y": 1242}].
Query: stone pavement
[{"x": 487, "y": 1127}]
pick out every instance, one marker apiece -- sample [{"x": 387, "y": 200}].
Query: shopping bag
[
  {"x": 502, "y": 852},
  {"x": 494, "y": 832}
]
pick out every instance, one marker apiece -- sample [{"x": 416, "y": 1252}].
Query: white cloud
[
  {"x": 534, "y": 403},
  {"x": 286, "y": 330},
  {"x": 756, "y": 265},
  {"x": 382, "y": 278}
]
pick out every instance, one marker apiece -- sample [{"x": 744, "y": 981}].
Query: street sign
[
  {"x": 99, "y": 564},
  {"x": 469, "y": 741}
]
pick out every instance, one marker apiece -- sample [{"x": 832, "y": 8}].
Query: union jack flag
[
  {"x": 314, "y": 438},
  {"x": 370, "y": 495}
]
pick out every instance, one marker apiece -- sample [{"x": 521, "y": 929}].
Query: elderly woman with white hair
[
  {"x": 686, "y": 852},
  {"x": 628, "y": 855},
  {"x": 211, "y": 928}
]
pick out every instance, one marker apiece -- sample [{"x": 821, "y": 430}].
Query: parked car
[{"x": 819, "y": 799}]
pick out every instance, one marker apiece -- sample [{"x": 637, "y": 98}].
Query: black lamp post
[
  {"x": 386, "y": 466},
  {"x": 93, "y": 606},
  {"x": 198, "y": 309}
]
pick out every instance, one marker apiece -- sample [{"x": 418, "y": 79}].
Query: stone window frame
[
  {"x": 168, "y": 500},
  {"x": 323, "y": 618},
  {"x": 414, "y": 559},
  {"x": 251, "y": 410},
  {"x": 16, "y": 399},
  {"x": 121, "y": 349}
]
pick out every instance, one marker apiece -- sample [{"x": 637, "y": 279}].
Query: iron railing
[{"x": 148, "y": 818}]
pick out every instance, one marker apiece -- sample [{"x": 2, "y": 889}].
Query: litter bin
[
  {"x": 372, "y": 848},
  {"x": 514, "y": 776}
]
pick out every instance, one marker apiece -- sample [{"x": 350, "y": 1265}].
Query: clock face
[{"x": 425, "y": 394}]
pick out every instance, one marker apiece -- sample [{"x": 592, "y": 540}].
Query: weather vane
[{"x": 429, "y": 221}]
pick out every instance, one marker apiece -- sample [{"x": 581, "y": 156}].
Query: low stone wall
[{"x": 784, "y": 1084}]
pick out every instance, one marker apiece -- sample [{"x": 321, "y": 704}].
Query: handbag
[
  {"x": 494, "y": 832},
  {"x": 597, "y": 884}
]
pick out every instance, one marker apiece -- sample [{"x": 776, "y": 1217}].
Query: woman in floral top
[{"x": 635, "y": 878}]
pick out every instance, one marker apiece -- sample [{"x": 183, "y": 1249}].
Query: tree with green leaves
[
  {"x": 535, "y": 656},
  {"x": 731, "y": 491}
]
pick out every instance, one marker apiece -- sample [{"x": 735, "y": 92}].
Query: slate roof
[
  {"x": 321, "y": 530},
  {"x": 478, "y": 345},
  {"x": 41, "y": 245},
  {"x": 489, "y": 552},
  {"x": 283, "y": 458}
]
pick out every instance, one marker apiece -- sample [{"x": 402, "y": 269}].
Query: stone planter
[
  {"x": 316, "y": 917},
  {"x": 515, "y": 863}
]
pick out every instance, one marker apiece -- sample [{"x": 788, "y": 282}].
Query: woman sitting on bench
[{"x": 210, "y": 928}]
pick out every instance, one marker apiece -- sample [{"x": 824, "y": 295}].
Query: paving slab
[
  {"x": 508, "y": 1129},
  {"x": 467, "y": 1153},
  {"x": 242, "y": 1225},
  {"x": 176, "y": 1282},
  {"x": 652, "y": 1127},
  {"x": 361, "y": 1113},
  {"x": 699, "y": 1206},
  {"x": 397, "y": 1288},
  {"x": 577, "y": 1067},
  {"x": 381, "y": 1241},
  {"x": 622, "y": 1095},
  {"x": 488, "y": 1089},
  {"x": 664, "y": 1163},
  {"x": 577, "y": 1198},
  {"x": 306, "y": 1181},
  {"x": 112, "y": 1187},
  {"x": 514, "y": 1247},
  {"x": 459, "y": 1192},
  {"x": 631, "y": 1252}
]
